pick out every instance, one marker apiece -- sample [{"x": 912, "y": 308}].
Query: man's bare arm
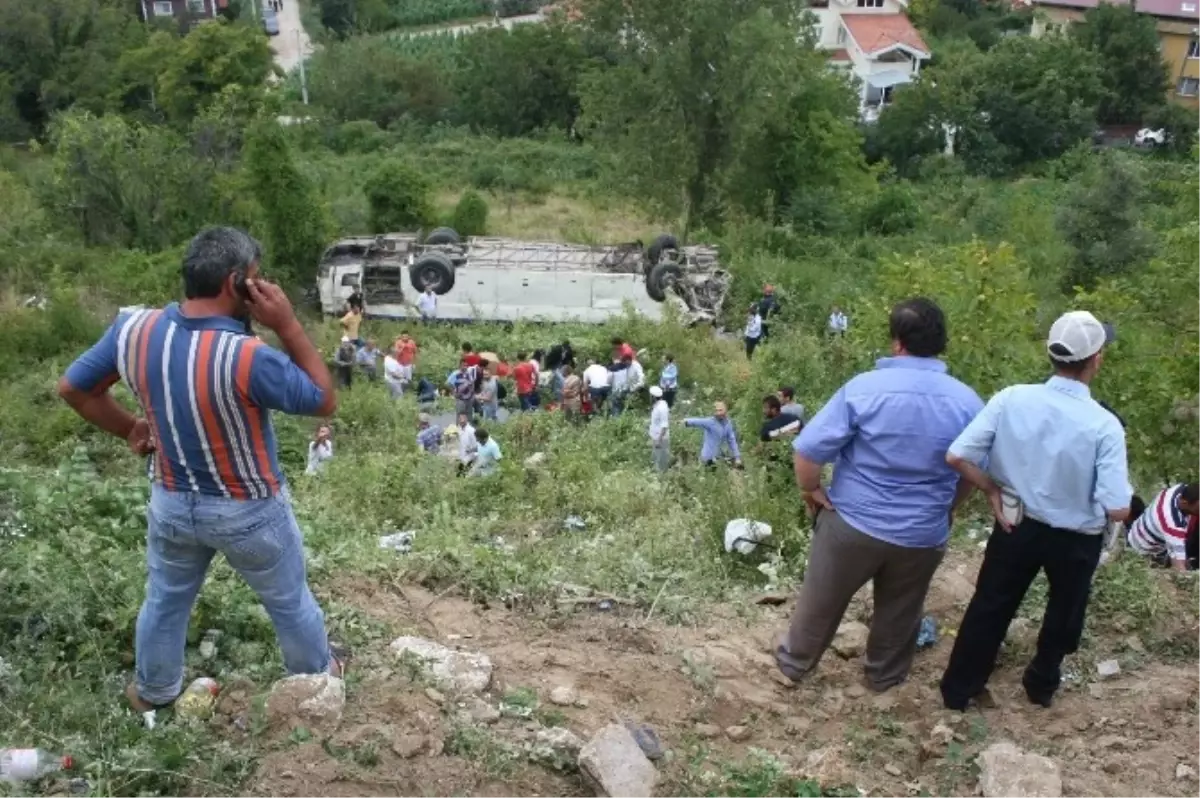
[{"x": 99, "y": 408}]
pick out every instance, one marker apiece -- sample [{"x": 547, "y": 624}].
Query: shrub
[
  {"x": 894, "y": 211},
  {"x": 398, "y": 197},
  {"x": 470, "y": 214}
]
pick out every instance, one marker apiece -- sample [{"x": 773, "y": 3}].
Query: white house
[{"x": 876, "y": 41}]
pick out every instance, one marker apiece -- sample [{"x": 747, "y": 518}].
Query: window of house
[
  {"x": 350, "y": 281},
  {"x": 1188, "y": 8},
  {"x": 164, "y": 8},
  {"x": 1194, "y": 48},
  {"x": 841, "y": 37},
  {"x": 196, "y": 6},
  {"x": 1188, "y": 87},
  {"x": 870, "y": 3}
]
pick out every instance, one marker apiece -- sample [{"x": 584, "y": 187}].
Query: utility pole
[{"x": 303, "y": 78}]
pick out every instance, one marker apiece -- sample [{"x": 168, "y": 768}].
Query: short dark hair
[
  {"x": 466, "y": 346},
  {"x": 214, "y": 254},
  {"x": 616, "y": 341},
  {"x": 772, "y": 401},
  {"x": 920, "y": 327},
  {"x": 481, "y": 434},
  {"x": 1191, "y": 492},
  {"x": 522, "y": 356},
  {"x": 670, "y": 358},
  {"x": 788, "y": 392}
]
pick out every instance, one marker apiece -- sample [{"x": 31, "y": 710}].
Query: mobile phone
[{"x": 239, "y": 285}]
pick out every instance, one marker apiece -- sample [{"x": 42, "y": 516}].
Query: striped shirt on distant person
[{"x": 206, "y": 388}]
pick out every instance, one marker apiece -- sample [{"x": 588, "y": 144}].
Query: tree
[
  {"x": 515, "y": 81},
  {"x": 690, "y": 87},
  {"x": 186, "y": 75},
  {"x": 1099, "y": 221},
  {"x": 470, "y": 214},
  {"x": 398, "y": 196},
  {"x": 296, "y": 223},
  {"x": 1131, "y": 66},
  {"x": 338, "y": 16}
]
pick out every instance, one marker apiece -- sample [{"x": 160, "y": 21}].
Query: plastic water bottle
[
  {"x": 28, "y": 764},
  {"x": 199, "y": 699}
]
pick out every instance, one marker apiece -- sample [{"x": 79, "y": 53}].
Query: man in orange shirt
[
  {"x": 406, "y": 354},
  {"x": 525, "y": 375}
]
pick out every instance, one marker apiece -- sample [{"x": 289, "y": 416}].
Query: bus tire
[
  {"x": 664, "y": 241},
  {"x": 432, "y": 270},
  {"x": 443, "y": 235},
  {"x": 660, "y": 280}
]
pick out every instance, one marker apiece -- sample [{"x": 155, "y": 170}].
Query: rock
[
  {"x": 1108, "y": 668},
  {"x": 738, "y": 734},
  {"x": 797, "y": 725},
  {"x": 706, "y": 731},
  {"x": 535, "y": 460},
  {"x": 563, "y": 696},
  {"x": 460, "y": 671},
  {"x": 855, "y": 691},
  {"x": 556, "y": 747},
  {"x": 1112, "y": 741},
  {"x": 310, "y": 700},
  {"x": 481, "y": 711},
  {"x": 434, "y": 696},
  {"x": 1173, "y": 701},
  {"x": 406, "y": 746},
  {"x": 893, "y": 770},
  {"x": 1006, "y": 771},
  {"x": 614, "y": 765},
  {"x": 773, "y": 599},
  {"x": 851, "y": 640},
  {"x": 1184, "y": 772}
]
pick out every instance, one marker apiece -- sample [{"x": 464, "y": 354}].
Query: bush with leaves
[
  {"x": 297, "y": 228},
  {"x": 1132, "y": 70},
  {"x": 398, "y": 197},
  {"x": 1099, "y": 220},
  {"x": 895, "y": 210},
  {"x": 470, "y": 214}
]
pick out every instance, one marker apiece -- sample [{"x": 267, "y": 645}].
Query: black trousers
[
  {"x": 1010, "y": 563},
  {"x": 750, "y": 344}
]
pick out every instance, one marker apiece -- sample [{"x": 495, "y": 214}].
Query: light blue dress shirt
[
  {"x": 1057, "y": 448},
  {"x": 886, "y": 432},
  {"x": 717, "y": 434}
]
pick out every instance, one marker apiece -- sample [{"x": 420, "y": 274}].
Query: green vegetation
[{"x": 728, "y": 128}]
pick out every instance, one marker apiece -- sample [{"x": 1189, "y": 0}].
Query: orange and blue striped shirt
[{"x": 206, "y": 388}]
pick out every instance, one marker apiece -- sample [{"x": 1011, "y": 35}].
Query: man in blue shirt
[
  {"x": 718, "y": 434},
  {"x": 1056, "y": 474},
  {"x": 886, "y": 516}
]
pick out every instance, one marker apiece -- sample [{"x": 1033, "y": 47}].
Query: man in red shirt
[
  {"x": 406, "y": 354},
  {"x": 525, "y": 375},
  {"x": 470, "y": 357},
  {"x": 622, "y": 349}
]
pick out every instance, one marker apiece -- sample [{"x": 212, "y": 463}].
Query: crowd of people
[{"x": 909, "y": 444}]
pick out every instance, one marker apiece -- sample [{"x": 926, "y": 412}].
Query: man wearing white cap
[
  {"x": 660, "y": 430},
  {"x": 1056, "y": 475}
]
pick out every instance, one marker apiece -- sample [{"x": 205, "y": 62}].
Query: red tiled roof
[
  {"x": 839, "y": 55},
  {"x": 875, "y": 32}
]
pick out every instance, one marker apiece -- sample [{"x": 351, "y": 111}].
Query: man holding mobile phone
[{"x": 205, "y": 390}]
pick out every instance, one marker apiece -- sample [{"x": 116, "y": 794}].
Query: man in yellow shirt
[{"x": 350, "y": 324}]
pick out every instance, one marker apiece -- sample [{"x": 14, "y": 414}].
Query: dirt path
[
  {"x": 292, "y": 44},
  {"x": 1122, "y": 736}
]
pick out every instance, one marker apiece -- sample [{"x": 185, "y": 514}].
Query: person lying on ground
[
  {"x": 1165, "y": 531},
  {"x": 719, "y": 436},
  {"x": 429, "y": 435}
]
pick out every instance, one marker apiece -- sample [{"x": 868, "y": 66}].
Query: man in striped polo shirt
[
  {"x": 205, "y": 389},
  {"x": 1166, "y": 530}
]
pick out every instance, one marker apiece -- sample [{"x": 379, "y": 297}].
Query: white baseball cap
[
  {"x": 655, "y": 391},
  {"x": 1077, "y": 335}
]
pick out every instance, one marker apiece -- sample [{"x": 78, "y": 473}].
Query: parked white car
[{"x": 1148, "y": 137}]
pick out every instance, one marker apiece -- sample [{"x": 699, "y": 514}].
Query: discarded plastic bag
[
  {"x": 743, "y": 535},
  {"x": 401, "y": 542},
  {"x": 928, "y": 633}
]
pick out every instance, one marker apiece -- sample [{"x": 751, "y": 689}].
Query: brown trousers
[{"x": 840, "y": 561}]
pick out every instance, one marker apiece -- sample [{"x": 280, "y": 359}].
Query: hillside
[{"x": 598, "y": 590}]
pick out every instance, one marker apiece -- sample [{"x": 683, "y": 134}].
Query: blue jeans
[
  {"x": 529, "y": 401},
  {"x": 491, "y": 411},
  {"x": 559, "y": 382},
  {"x": 261, "y": 541}
]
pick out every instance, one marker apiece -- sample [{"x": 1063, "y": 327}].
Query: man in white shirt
[
  {"x": 660, "y": 431},
  {"x": 598, "y": 380},
  {"x": 394, "y": 374},
  {"x": 838, "y": 321},
  {"x": 427, "y": 304},
  {"x": 467, "y": 445}
]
